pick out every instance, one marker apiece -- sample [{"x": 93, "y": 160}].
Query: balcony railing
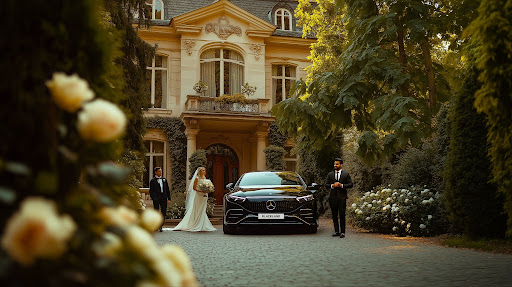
[{"x": 198, "y": 103}]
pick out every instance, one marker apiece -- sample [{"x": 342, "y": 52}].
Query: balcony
[{"x": 207, "y": 104}]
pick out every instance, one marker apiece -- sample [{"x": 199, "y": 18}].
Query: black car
[{"x": 260, "y": 200}]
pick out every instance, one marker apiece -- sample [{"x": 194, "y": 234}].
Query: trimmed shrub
[
  {"x": 274, "y": 156},
  {"x": 197, "y": 159},
  {"x": 475, "y": 208}
]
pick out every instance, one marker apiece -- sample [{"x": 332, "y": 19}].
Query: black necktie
[{"x": 337, "y": 177}]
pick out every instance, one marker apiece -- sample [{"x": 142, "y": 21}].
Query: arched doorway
[{"x": 222, "y": 167}]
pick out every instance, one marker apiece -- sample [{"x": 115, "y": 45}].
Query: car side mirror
[
  {"x": 314, "y": 186},
  {"x": 230, "y": 186}
]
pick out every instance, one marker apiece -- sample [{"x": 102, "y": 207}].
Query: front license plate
[{"x": 270, "y": 215}]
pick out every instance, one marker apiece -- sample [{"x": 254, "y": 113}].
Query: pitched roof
[{"x": 259, "y": 8}]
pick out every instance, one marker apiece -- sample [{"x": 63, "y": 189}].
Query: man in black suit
[
  {"x": 338, "y": 181},
  {"x": 159, "y": 192}
]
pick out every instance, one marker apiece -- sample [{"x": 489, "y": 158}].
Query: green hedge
[{"x": 475, "y": 207}]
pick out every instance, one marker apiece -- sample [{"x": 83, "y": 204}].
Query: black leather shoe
[
  {"x": 160, "y": 229},
  {"x": 336, "y": 234},
  {"x": 342, "y": 235}
]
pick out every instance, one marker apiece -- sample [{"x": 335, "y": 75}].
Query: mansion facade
[{"x": 224, "y": 44}]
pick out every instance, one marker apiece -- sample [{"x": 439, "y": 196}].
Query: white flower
[
  {"x": 118, "y": 216},
  {"x": 402, "y": 222},
  {"x": 108, "y": 246},
  {"x": 396, "y": 219},
  {"x": 388, "y": 199},
  {"x": 367, "y": 193},
  {"x": 395, "y": 228},
  {"x": 101, "y": 121},
  {"x": 369, "y": 205},
  {"x": 354, "y": 205},
  {"x": 374, "y": 201},
  {"x": 423, "y": 226},
  {"x": 181, "y": 262},
  {"x": 37, "y": 231},
  {"x": 151, "y": 219},
  {"x": 386, "y": 207},
  {"x": 406, "y": 200},
  {"x": 431, "y": 199},
  {"x": 69, "y": 92},
  {"x": 360, "y": 212},
  {"x": 368, "y": 218},
  {"x": 379, "y": 201},
  {"x": 429, "y": 217},
  {"x": 140, "y": 240},
  {"x": 425, "y": 202}
]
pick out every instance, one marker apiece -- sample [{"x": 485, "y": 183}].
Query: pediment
[{"x": 217, "y": 16}]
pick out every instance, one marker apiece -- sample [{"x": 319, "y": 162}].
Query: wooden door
[{"x": 222, "y": 168}]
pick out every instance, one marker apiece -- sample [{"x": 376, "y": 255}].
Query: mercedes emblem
[{"x": 271, "y": 205}]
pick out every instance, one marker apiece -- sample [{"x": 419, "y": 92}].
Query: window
[
  {"x": 156, "y": 8},
  {"x": 283, "y": 19},
  {"x": 223, "y": 71},
  {"x": 158, "y": 82},
  {"x": 283, "y": 77},
  {"x": 155, "y": 157}
]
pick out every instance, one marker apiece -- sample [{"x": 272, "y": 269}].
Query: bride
[{"x": 195, "y": 218}]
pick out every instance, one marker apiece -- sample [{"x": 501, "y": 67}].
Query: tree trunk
[
  {"x": 429, "y": 69},
  {"x": 402, "y": 58}
]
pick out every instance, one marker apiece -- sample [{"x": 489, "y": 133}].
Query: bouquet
[{"x": 205, "y": 185}]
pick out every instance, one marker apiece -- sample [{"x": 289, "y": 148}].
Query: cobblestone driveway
[{"x": 321, "y": 260}]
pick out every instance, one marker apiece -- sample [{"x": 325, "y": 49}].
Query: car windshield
[{"x": 270, "y": 178}]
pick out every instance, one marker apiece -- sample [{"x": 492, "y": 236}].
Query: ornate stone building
[{"x": 224, "y": 44}]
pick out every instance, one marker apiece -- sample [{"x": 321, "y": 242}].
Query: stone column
[
  {"x": 261, "y": 163},
  {"x": 191, "y": 133},
  {"x": 261, "y": 135}
]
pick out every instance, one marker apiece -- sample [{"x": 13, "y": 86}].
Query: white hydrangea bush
[{"x": 414, "y": 211}]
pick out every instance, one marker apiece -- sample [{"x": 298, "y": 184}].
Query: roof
[{"x": 259, "y": 8}]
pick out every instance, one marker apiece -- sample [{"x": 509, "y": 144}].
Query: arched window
[
  {"x": 156, "y": 8},
  {"x": 283, "y": 19},
  {"x": 155, "y": 157},
  {"x": 283, "y": 77},
  {"x": 223, "y": 71}
]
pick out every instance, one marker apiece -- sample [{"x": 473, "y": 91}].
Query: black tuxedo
[
  {"x": 159, "y": 195},
  {"x": 338, "y": 198}
]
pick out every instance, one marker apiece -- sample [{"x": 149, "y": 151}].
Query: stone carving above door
[
  {"x": 223, "y": 29},
  {"x": 256, "y": 49}
]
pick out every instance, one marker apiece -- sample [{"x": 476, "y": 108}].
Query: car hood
[{"x": 261, "y": 191}]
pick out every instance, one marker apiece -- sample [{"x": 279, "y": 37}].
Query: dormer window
[
  {"x": 283, "y": 19},
  {"x": 156, "y": 8}
]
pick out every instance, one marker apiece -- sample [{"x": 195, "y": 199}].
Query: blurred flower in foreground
[
  {"x": 69, "y": 92},
  {"x": 101, "y": 121},
  {"x": 118, "y": 216},
  {"x": 151, "y": 219},
  {"x": 37, "y": 231}
]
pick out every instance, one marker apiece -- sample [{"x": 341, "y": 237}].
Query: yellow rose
[
  {"x": 69, "y": 92},
  {"x": 101, "y": 121},
  {"x": 37, "y": 231}
]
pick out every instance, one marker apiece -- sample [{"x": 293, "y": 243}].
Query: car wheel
[
  {"x": 312, "y": 229},
  {"x": 228, "y": 229}
]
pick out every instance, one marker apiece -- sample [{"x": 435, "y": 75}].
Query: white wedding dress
[{"x": 195, "y": 218}]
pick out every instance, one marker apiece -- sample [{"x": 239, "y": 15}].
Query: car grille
[{"x": 281, "y": 206}]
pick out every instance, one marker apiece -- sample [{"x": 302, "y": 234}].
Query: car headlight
[
  {"x": 235, "y": 198},
  {"x": 304, "y": 198}
]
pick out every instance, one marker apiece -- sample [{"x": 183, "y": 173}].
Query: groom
[
  {"x": 338, "y": 181},
  {"x": 159, "y": 192}
]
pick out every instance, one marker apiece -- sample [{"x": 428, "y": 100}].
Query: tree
[
  {"x": 386, "y": 81},
  {"x": 492, "y": 30}
]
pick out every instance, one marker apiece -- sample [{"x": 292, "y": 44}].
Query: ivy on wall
[
  {"x": 275, "y": 137},
  {"x": 174, "y": 129}
]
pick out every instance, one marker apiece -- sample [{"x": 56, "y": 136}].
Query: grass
[{"x": 484, "y": 244}]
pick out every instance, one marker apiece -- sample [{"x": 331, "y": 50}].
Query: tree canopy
[{"x": 384, "y": 75}]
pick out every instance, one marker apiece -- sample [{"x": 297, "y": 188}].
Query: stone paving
[{"x": 360, "y": 259}]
